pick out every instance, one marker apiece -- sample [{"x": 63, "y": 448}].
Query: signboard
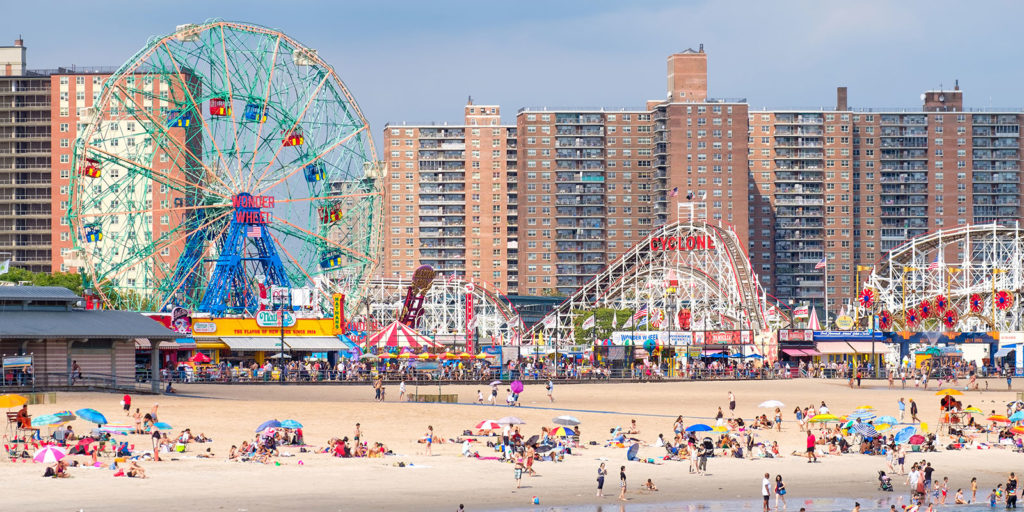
[
  {"x": 470, "y": 320},
  {"x": 844, "y": 322},
  {"x": 179, "y": 320},
  {"x": 339, "y": 312},
  {"x": 204, "y": 327},
  {"x": 272, "y": 318},
  {"x": 662, "y": 338},
  {"x": 848, "y": 335},
  {"x": 723, "y": 338},
  {"x": 796, "y": 335},
  {"x": 684, "y": 244},
  {"x": 17, "y": 361}
]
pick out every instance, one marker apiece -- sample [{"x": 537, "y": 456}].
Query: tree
[{"x": 69, "y": 280}]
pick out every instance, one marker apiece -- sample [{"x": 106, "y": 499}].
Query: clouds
[{"x": 417, "y": 61}]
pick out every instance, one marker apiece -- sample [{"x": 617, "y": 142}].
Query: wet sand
[{"x": 229, "y": 414}]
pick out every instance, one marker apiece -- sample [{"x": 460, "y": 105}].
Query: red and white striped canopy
[{"x": 399, "y": 335}]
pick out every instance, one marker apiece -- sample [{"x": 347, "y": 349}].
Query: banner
[
  {"x": 662, "y": 338},
  {"x": 470, "y": 319},
  {"x": 339, "y": 313},
  {"x": 589, "y": 323},
  {"x": 796, "y": 335},
  {"x": 550, "y": 322}
]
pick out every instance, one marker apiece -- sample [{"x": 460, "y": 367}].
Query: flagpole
[{"x": 826, "y": 294}]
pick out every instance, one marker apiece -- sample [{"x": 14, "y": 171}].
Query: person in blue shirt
[{"x": 902, "y": 407}]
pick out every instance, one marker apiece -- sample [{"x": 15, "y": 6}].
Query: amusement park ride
[{"x": 222, "y": 157}]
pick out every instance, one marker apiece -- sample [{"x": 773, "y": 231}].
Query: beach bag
[{"x": 49, "y": 472}]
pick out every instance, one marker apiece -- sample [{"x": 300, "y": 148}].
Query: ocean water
[{"x": 793, "y": 505}]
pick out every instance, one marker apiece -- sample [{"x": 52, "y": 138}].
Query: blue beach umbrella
[
  {"x": 92, "y": 416},
  {"x": 1017, "y": 416},
  {"x": 698, "y": 427},
  {"x": 268, "y": 424},
  {"x": 162, "y": 425},
  {"x": 865, "y": 430},
  {"x": 904, "y": 435},
  {"x": 291, "y": 424},
  {"x": 888, "y": 420}
]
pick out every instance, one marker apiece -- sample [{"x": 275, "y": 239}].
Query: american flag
[
  {"x": 675, "y": 192},
  {"x": 820, "y": 265},
  {"x": 253, "y": 232},
  {"x": 934, "y": 265},
  {"x": 640, "y": 314}
]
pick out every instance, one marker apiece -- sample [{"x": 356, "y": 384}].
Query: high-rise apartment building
[
  {"x": 24, "y": 162},
  {"x": 798, "y": 186},
  {"x": 450, "y": 199}
]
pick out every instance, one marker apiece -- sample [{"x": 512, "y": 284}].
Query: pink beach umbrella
[
  {"x": 49, "y": 454},
  {"x": 517, "y": 386},
  {"x": 487, "y": 425}
]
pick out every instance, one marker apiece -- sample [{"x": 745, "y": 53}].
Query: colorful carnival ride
[{"x": 221, "y": 159}]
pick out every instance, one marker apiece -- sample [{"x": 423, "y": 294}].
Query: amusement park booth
[
  {"x": 256, "y": 339},
  {"x": 860, "y": 348},
  {"x": 977, "y": 347},
  {"x": 46, "y": 329},
  {"x": 796, "y": 346}
]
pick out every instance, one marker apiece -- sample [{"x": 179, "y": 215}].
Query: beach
[{"x": 230, "y": 413}]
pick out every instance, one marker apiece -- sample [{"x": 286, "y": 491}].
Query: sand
[{"x": 229, "y": 414}]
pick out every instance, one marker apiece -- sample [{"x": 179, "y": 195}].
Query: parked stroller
[{"x": 884, "y": 482}]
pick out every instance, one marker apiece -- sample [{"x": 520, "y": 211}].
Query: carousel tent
[{"x": 399, "y": 335}]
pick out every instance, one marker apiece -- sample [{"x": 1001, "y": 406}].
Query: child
[
  {"x": 479, "y": 397},
  {"x": 959, "y": 498},
  {"x": 649, "y": 485}
]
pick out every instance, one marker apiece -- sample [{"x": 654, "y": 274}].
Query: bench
[{"x": 435, "y": 398}]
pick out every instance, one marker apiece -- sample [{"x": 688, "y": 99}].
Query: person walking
[
  {"x": 126, "y": 402},
  {"x": 1011, "y": 491},
  {"x": 401, "y": 391},
  {"x": 518, "y": 472},
  {"x": 780, "y": 492},
  {"x": 913, "y": 411},
  {"x": 811, "y": 442},
  {"x": 494, "y": 394},
  {"x": 429, "y": 438},
  {"x": 551, "y": 390},
  {"x": 902, "y": 406},
  {"x": 601, "y": 473},
  {"x": 732, "y": 405},
  {"x": 766, "y": 491},
  {"x": 622, "y": 483}
]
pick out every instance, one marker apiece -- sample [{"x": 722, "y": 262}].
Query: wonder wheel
[{"x": 223, "y": 162}]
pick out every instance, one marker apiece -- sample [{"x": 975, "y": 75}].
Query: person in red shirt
[
  {"x": 127, "y": 403},
  {"x": 811, "y": 441}
]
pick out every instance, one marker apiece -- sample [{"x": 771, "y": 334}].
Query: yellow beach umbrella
[
  {"x": 823, "y": 418},
  {"x": 947, "y": 392},
  {"x": 8, "y": 401},
  {"x": 406, "y": 355},
  {"x": 974, "y": 410},
  {"x": 865, "y": 408}
]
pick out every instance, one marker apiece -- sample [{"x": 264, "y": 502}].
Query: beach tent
[{"x": 399, "y": 335}]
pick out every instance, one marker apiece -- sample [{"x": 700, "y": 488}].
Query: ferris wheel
[{"x": 221, "y": 162}]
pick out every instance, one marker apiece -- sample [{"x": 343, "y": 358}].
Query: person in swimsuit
[
  {"x": 601, "y": 472},
  {"x": 430, "y": 438},
  {"x": 622, "y": 483}
]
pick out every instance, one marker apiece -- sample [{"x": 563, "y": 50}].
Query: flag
[
  {"x": 675, "y": 192},
  {"x": 253, "y": 232},
  {"x": 934, "y": 265},
  {"x": 800, "y": 311},
  {"x": 640, "y": 314},
  {"x": 628, "y": 324},
  {"x": 658, "y": 317},
  {"x": 820, "y": 265},
  {"x": 550, "y": 322},
  {"x": 5, "y": 266},
  {"x": 589, "y": 323}
]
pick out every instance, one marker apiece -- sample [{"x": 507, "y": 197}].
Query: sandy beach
[{"x": 230, "y": 413}]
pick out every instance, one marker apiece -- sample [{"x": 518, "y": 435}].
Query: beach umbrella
[
  {"x": 388, "y": 355},
  {"x": 974, "y": 410},
  {"x": 268, "y": 424},
  {"x": 487, "y": 425},
  {"x": 466, "y": 355},
  {"x": 864, "y": 408},
  {"x": 200, "y": 357},
  {"x": 865, "y": 429},
  {"x": 632, "y": 451},
  {"x": 495, "y": 383},
  {"x": 292, "y": 424},
  {"x": 161, "y": 425},
  {"x": 424, "y": 356},
  {"x": 569, "y": 421},
  {"x": 563, "y": 432},
  {"x": 369, "y": 357},
  {"x": 904, "y": 435},
  {"x": 719, "y": 429},
  {"x": 406, "y": 355},
  {"x": 116, "y": 429},
  {"x": 824, "y": 418},
  {"x": 862, "y": 415},
  {"x": 998, "y": 418},
  {"x": 947, "y": 392},
  {"x": 8, "y": 401},
  {"x": 511, "y": 420},
  {"x": 92, "y": 416},
  {"x": 280, "y": 355},
  {"x": 698, "y": 427},
  {"x": 882, "y": 427},
  {"x": 916, "y": 439},
  {"x": 47, "y": 420},
  {"x": 1017, "y": 430},
  {"x": 49, "y": 454},
  {"x": 1017, "y": 416},
  {"x": 887, "y": 419},
  {"x": 481, "y": 356},
  {"x": 517, "y": 386},
  {"x": 771, "y": 404}
]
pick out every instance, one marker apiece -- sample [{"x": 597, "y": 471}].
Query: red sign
[
  {"x": 247, "y": 201},
  {"x": 796, "y": 335},
  {"x": 679, "y": 243},
  {"x": 252, "y": 217},
  {"x": 722, "y": 338}
]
